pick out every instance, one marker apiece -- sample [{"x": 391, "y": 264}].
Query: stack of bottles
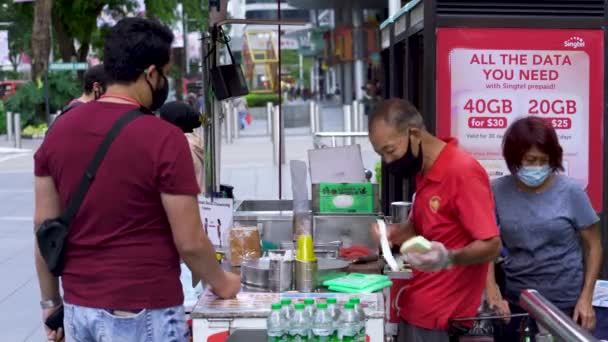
[{"x": 323, "y": 321}]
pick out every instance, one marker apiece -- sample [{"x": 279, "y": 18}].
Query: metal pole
[
  {"x": 317, "y": 118},
  {"x": 553, "y": 319},
  {"x": 234, "y": 113},
  {"x": 311, "y": 110},
  {"x": 355, "y": 113},
  {"x": 210, "y": 158},
  {"x": 17, "y": 126},
  {"x": 281, "y": 136},
  {"x": 228, "y": 122},
  {"x": 224, "y": 125},
  {"x": 362, "y": 118},
  {"x": 276, "y": 135},
  {"x": 217, "y": 130},
  {"x": 9, "y": 126},
  {"x": 312, "y": 79},
  {"x": 358, "y": 46},
  {"x": 185, "y": 29},
  {"x": 347, "y": 123},
  {"x": 301, "y": 71},
  {"x": 269, "y": 110}
]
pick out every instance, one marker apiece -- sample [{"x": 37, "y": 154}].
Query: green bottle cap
[
  {"x": 332, "y": 301},
  {"x": 286, "y": 301},
  {"x": 349, "y": 306},
  {"x": 309, "y": 301},
  {"x": 355, "y": 300},
  {"x": 321, "y": 306},
  {"x": 276, "y": 306},
  {"x": 299, "y": 306}
]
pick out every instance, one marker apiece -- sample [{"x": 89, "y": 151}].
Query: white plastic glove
[{"x": 438, "y": 258}]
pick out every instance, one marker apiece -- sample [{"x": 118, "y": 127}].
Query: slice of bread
[{"x": 417, "y": 244}]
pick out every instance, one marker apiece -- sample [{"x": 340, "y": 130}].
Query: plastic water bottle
[
  {"x": 322, "y": 325},
  {"x": 287, "y": 309},
  {"x": 334, "y": 313},
  {"x": 310, "y": 307},
  {"x": 276, "y": 324},
  {"x": 361, "y": 317},
  {"x": 544, "y": 337},
  {"x": 349, "y": 325},
  {"x": 299, "y": 327}
]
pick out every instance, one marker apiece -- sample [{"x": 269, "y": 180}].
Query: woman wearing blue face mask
[{"x": 548, "y": 227}]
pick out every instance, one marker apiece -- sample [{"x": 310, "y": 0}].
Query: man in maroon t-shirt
[{"x": 140, "y": 215}]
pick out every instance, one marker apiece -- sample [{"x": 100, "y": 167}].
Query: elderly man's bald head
[{"x": 397, "y": 113}]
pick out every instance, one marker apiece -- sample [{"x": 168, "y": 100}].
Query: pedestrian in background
[
  {"x": 188, "y": 120},
  {"x": 95, "y": 83}
]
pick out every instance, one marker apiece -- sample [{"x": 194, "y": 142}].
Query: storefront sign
[
  {"x": 344, "y": 43},
  {"x": 401, "y": 24},
  {"x": 216, "y": 215},
  {"x": 385, "y": 36},
  {"x": 487, "y": 78},
  {"x": 417, "y": 14}
]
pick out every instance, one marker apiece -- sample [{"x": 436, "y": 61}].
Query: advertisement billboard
[{"x": 488, "y": 78}]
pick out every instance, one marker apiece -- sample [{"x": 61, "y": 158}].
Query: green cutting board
[
  {"x": 357, "y": 281},
  {"x": 370, "y": 289}
]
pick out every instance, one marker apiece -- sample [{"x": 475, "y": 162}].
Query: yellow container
[{"x": 305, "y": 250}]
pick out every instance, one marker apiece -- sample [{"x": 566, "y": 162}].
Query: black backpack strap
[
  {"x": 70, "y": 107},
  {"x": 89, "y": 175}
]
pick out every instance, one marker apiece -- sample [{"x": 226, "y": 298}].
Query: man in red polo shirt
[{"x": 453, "y": 208}]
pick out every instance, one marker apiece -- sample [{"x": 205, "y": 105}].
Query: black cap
[{"x": 181, "y": 115}]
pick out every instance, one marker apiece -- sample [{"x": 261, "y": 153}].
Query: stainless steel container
[
  {"x": 322, "y": 249},
  {"x": 256, "y": 273},
  {"x": 306, "y": 276},
  {"x": 280, "y": 275},
  {"x": 400, "y": 211}
]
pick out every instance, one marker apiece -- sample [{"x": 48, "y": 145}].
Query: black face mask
[
  {"x": 408, "y": 165},
  {"x": 160, "y": 94}
]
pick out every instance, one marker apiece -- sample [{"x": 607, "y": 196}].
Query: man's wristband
[
  {"x": 51, "y": 303},
  {"x": 450, "y": 260}
]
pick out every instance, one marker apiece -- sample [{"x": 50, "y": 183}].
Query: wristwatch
[{"x": 51, "y": 303}]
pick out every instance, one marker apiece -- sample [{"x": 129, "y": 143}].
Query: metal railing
[
  {"x": 561, "y": 327},
  {"x": 353, "y": 126},
  {"x": 334, "y": 137},
  {"x": 13, "y": 129}
]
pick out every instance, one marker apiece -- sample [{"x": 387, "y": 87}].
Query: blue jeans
[{"x": 83, "y": 324}]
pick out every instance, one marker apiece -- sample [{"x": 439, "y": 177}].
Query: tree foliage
[
  {"x": 63, "y": 86},
  {"x": 20, "y": 16},
  {"x": 77, "y": 30}
]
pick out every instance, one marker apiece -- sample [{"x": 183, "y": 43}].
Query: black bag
[
  {"x": 227, "y": 80},
  {"x": 52, "y": 234}
]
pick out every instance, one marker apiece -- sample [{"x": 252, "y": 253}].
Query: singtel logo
[{"x": 574, "y": 42}]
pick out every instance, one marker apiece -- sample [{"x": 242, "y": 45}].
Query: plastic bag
[
  {"x": 244, "y": 244},
  {"x": 191, "y": 294},
  {"x": 302, "y": 218}
]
